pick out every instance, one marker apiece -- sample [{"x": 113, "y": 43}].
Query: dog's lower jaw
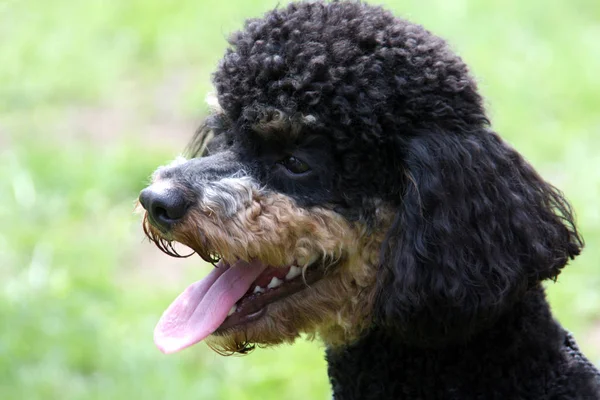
[
  {"x": 336, "y": 308},
  {"x": 525, "y": 355}
]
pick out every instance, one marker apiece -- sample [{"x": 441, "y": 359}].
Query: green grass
[{"x": 94, "y": 95}]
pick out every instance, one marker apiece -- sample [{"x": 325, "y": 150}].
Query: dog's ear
[{"x": 476, "y": 227}]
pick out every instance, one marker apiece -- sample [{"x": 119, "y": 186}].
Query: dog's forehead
[{"x": 272, "y": 124}]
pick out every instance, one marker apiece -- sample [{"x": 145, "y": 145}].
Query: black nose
[{"x": 165, "y": 207}]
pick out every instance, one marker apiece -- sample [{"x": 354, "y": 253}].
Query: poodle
[{"x": 348, "y": 185}]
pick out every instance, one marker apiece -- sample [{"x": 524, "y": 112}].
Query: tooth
[
  {"x": 232, "y": 310},
  {"x": 293, "y": 272},
  {"x": 274, "y": 283},
  {"x": 258, "y": 289}
]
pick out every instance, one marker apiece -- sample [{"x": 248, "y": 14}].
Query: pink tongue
[{"x": 204, "y": 305}]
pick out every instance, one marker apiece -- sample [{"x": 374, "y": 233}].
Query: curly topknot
[{"x": 350, "y": 63}]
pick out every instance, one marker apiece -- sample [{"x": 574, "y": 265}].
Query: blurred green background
[{"x": 95, "y": 94}]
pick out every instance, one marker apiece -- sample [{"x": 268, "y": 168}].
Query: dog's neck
[{"x": 511, "y": 358}]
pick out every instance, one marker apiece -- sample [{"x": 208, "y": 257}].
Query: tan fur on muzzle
[{"x": 273, "y": 229}]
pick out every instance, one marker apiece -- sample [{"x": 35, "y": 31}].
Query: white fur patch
[
  {"x": 213, "y": 102},
  {"x": 228, "y": 196}
]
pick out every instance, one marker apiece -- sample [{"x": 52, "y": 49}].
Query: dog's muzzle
[{"x": 216, "y": 184}]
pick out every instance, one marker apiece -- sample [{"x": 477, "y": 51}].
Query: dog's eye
[{"x": 294, "y": 165}]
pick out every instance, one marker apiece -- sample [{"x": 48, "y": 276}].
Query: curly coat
[{"x": 401, "y": 147}]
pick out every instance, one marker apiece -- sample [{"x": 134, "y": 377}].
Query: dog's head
[{"x": 348, "y": 177}]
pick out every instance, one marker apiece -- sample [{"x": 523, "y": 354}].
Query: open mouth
[
  {"x": 231, "y": 295},
  {"x": 271, "y": 285}
]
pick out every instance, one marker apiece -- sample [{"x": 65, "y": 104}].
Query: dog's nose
[{"x": 165, "y": 207}]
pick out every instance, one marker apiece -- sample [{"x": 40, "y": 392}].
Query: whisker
[{"x": 164, "y": 245}]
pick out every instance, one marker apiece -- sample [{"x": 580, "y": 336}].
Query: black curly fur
[
  {"x": 477, "y": 228},
  {"x": 525, "y": 356},
  {"x": 460, "y": 312}
]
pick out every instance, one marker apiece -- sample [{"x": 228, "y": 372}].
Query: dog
[{"x": 348, "y": 185}]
